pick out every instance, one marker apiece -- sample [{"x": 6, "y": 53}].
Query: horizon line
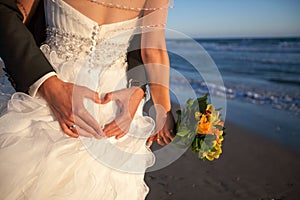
[{"x": 234, "y": 37}]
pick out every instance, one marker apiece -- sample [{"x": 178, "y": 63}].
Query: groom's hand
[
  {"x": 66, "y": 102},
  {"x": 128, "y": 100}
]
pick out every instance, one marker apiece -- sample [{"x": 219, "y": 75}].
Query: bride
[{"x": 103, "y": 153}]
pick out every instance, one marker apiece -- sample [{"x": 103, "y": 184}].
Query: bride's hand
[
  {"x": 128, "y": 100},
  {"x": 164, "y": 129},
  {"x": 66, "y": 102}
]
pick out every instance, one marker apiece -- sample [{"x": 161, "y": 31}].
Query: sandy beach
[{"x": 251, "y": 167}]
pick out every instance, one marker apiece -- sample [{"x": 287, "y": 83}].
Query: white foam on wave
[{"x": 244, "y": 93}]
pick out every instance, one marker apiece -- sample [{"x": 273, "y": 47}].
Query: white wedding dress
[{"x": 38, "y": 161}]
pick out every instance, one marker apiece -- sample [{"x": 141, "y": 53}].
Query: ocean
[{"x": 260, "y": 71}]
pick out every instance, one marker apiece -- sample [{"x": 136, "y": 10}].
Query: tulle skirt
[{"x": 38, "y": 161}]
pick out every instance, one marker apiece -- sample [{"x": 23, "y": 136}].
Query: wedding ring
[
  {"x": 158, "y": 139},
  {"x": 72, "y": 127}
]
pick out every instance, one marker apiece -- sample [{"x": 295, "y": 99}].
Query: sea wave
[{"x": 244, "y": 93}]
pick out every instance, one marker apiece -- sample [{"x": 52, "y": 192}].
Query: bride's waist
[{"x": 69, "y": 46}]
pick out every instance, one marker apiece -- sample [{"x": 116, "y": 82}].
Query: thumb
[
  {"x": 150, "y": 141},
  {"x": 90, "y": 94}
]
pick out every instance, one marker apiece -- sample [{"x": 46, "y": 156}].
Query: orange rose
[{"x": 204, "y": 127}]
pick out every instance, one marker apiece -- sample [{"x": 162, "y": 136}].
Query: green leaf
[
  {"x": 204, "y": 147},
  {"x": 202, "y": 103},
  {"x": 189, "y": 104},
  {"x": 182, "y": 133},
  {"x": 177, "y": 125}
]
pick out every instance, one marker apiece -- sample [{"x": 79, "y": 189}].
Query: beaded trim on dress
[{"x": 114, "y": 4}]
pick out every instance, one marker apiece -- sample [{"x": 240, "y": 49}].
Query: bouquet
[{"x": 199, "y": 127}]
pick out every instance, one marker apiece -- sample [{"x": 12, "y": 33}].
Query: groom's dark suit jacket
[{"x": 19, "y": 46}]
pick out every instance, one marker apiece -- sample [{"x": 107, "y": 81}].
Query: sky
[{"x": 235, "y": 18}]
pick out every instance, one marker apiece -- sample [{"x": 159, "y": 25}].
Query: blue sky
[{"x": 236, "y": 18}]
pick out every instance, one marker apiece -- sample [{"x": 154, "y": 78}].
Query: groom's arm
[{"x": 24, "y": 61}]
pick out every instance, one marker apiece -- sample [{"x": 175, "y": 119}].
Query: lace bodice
[{"x": 73, "y": 35}]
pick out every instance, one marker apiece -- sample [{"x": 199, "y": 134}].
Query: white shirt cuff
[
  {"x": 147, "y": 93},
  {"x": 34, "y": 87}
]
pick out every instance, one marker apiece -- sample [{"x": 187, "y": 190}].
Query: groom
[{"x": 30, "y": 72}]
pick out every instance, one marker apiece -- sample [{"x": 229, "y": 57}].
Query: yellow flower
[
  {"x": 218, "y": 148},
  {"x": 218, "y": 133},
  {"x": 210, "y": 108},
  {"x": 198, "y": 115},
  {"x": 209, "y": 157},
  {"x": 220, "y": 139},
  {"x": 213, "y": 154}
]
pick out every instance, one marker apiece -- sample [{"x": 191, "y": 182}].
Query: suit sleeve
[{"x": 24, "y": 61}]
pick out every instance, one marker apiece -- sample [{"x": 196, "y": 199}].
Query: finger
[
  {"x": 84, "y": 133},
  {"x": 123, "y": 133},
  {"x": 150, "y": 141},
  {"x": 118, "y": 126},
  {"x": 115, "y": 128},
  {"x": 166, "y": 139},
  {"x": 67, "y": 130},
  {"x": 170, "y": 134},
  {"x": 86, "y": 120},
  {"x": 160, "y": 140},
  {"x": 123, "y": 127},
  {"x": 84, "y": 126},
  {"x": 80, "y": 131},
  {"x": 90, "y": 94},
  {"x": 106, "y": 98},
  {"x": 165, "y": 135},
  {"x": 110, "y": 129}
]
